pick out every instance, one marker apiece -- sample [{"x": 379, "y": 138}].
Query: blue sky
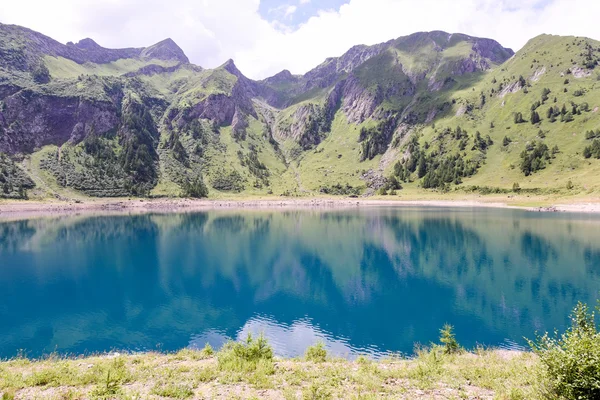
[{"x": 292, "y": 13}]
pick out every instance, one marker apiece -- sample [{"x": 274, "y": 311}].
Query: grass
[
  {"x": 62, "y": 68},
  {"x": 232, "y": 373}
]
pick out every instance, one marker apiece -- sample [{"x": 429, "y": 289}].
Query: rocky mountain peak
[
  {"x": 86, "y": 44},
  {"x": 492, "y": 50},
  {"x": 284, "y": 76},
  {"x": 165, "y": 50},
  {"x": 230, "y": 67}
]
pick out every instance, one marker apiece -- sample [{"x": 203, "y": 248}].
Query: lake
[{"x": 372, "y": 281}]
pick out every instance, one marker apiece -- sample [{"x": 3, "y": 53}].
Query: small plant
[
  {"x": 316, "y": 353},
  {"x": 570, "y": 185},
  {"x": 448, "y": 339},
  {"x": 109, "y": 378},
  {"x": 572, "y": 360},
  {"x": 516, "y": 187},
  {"x": 173, "y": 391},
  {"x": 207, "y": 351},
  {"x": 108, "y": 389},
  {"x": 316, "y": 392},
  {"x": 9, "y": 394},
  {"x": 250, "y": 355}
]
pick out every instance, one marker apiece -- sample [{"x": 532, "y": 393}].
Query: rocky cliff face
[
  {"x": 30, "y": 120},
  {"x": 327, "y": 73}
]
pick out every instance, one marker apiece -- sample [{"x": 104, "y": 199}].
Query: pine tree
[{"x": 422, "y": 169}]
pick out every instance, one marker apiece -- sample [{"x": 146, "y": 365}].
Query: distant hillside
[{"x": 428, "y": 111}]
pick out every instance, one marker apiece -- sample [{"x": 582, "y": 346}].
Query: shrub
[
  {"x": 173, "y": 391},
  {"x": 516, "y": 187},
  {"x": 375, "y": 140},
  {"x": 245, "y": 356},
  {"x": 196, "y": 188},
  {"x": 316, "y": 392},
  {"x": 534, "y": 157},
  {"x": 316, "y": 353},
  {"x": 40, "y": 74},
  {"x": 107, "y": 389},
  {"x": 228, "y": 182},
  {"x": 570, "y": 185},
  {"x": 571, "y": 361},
  {"x": 340, "y": 190},
  {"x": 593, "y": 150},
  {"x": 448, "y": 339},
  {"x": 518, "y": 117}
]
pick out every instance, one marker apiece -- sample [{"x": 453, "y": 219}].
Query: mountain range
[{"x": 432, "y": 111}]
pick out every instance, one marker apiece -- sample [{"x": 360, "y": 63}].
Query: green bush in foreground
[
  {"x": 316, "y": 353},
  {"x": 448, "y": 339},
  {"x": 244, "y": 356},
  {"x": 250, "y": 361},
  {"x": 572, "y": 360}
]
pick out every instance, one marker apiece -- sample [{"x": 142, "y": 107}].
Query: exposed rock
[
  {"x": 358, "y": 103},
  {"x": 537, "y": 74},
  {"x": 431, "y": 116},
  {"x": 511, "y": 88},
  {"x": 461, "y": 110},
  {"x": 239, "y": 123},
  {"x": 32, "y": 120},
  {"x": 7, "y": 90},
  {"x": 579, "y": 72},
  {"x": 491, "y": 50},
  {"x": 165, "y": 50},
  {"x": 329, "y": 71},
  {"x": 374, "y": 180},
  {"x": 218, "y": 108},
  {"x": 281, "y": 78}
]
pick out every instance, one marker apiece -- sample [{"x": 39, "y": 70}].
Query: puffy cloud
[{"x": 211, "y": 31}]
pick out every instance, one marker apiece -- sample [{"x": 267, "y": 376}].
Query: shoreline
[
  {"x": 199, "y": 374},
  {"x": 14, "y": 208}
]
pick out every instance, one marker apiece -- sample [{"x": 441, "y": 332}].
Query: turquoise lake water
[{"x": 368, "y": 281}]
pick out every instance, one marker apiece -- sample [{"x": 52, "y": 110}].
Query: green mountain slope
[{"x": 429, "y": 111}]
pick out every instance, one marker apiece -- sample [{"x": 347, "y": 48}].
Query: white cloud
[
  {"x": 304, "y": 2},
  {"x": 211, "y": 31},
  {"x": 289, "y": 11}
]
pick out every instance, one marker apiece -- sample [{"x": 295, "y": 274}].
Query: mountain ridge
[{"x": 146, "y": 121}]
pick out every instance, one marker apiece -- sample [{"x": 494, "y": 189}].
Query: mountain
[{"x": 428, "y": 111}]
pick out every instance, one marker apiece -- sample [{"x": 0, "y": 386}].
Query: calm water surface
[{"x": 365, "y": 281}]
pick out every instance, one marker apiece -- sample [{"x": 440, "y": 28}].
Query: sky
[{"x": 264, "y": 37}]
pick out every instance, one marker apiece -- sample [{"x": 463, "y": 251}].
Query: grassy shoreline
[{"x": 190, "y": 374}]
